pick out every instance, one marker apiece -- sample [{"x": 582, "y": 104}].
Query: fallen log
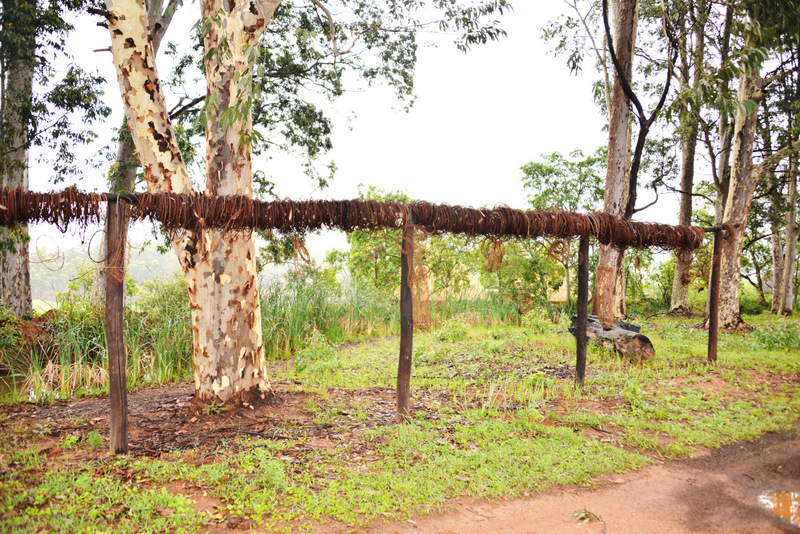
[{"x": 624, "y": 338}]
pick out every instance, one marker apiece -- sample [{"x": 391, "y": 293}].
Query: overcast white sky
[{"x": 478, "y": 118}]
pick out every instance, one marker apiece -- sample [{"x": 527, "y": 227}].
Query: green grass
[{"x": 496, "y": 414}]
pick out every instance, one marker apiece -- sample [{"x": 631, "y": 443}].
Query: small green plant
[
  {"x": 214, "y": 408},
  {"x": 43, "y": 429},
  {"x": 453, "y": 330},
  {"x": 778, "y": 335},
  {"x": 633, "y": 394},
  {"x": 537, "y": 321},
  {"x": 94, "y": 440},
  {"x": 70, "y": 442},
  {"x": 539, "y": 380}
]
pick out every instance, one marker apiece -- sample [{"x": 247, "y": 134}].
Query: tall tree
[
  {"x": 122, "y": 175},
  {"x": 219, "y": 267},
  {"x": 692, "y": 59},
  {"x": 18, "y": 61},
  {"x": 42, "y": 108},
  {"x": 785, "y": 292},
  {"x": 768, "y": 21},
  {"x": 615, "y": 200}
]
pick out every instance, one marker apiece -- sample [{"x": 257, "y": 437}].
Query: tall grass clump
[
  {"x": 158, "y": 332},
  {"x": 297, "y": 305},
  {"x": 478, "y": 308},
  {"x": 71, "y": 356}
]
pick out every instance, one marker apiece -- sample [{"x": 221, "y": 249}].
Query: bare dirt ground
[{"x": 715, "y": 491}]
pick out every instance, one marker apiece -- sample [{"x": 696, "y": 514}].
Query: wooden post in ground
[
  {"x": 713, "y": 297},
  {"x": 583, "y": 303},
  {"x": 115, "y": 270},
  {"x": 406, "y": 327}
]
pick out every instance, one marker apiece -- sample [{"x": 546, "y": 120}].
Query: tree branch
[
  {"x": 771, "y": 161},
  {"x": 178, "y": 111}
]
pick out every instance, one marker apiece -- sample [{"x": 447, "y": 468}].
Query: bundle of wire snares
[
  {"x": 57, "y": 207},
  {"x": 242, "y": 214}
]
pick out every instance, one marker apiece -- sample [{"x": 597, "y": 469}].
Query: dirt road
[{"x": 716, "y": 491}]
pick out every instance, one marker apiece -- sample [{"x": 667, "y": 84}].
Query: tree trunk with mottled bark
[
  {"x": 616, "y": 187},
  {"x": 689, "y": 125},
  {"x": 776, "y": 241},
  {"x": 219, "y": 268},
  {"x": 679, "y": 302},
  {"x": 15, "y": 278},
  {"x": 723, "y": 172},
  {"x": 122, "y": 177},
  {"x": 740, "y": 196},
  {"x": 790, "y": 253}
]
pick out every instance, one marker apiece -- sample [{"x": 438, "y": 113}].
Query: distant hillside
[{"x": 51, "y": 271}]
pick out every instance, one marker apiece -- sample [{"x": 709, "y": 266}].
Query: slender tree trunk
[
  {"x": 680, "y": 283},
  {"x": 220, "y": 268},
  {"x": 122, "y": 179},
  {"x": 689, "y": 119},
  {"x": 616, "y": 194},
  {"x": 792, "y": 231},
  {"x": 725, "y": 131},
  {"x": 17, "y": 94},
  {"x": 777, "y": 268},
  {"x": 742, "y": 188},
  {"x": 759, "y": 285}
]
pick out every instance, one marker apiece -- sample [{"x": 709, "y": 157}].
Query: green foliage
[
  {"x": 573, "y": 183},
  {"x": 454, "y": 329},
  {"x": 778, "y": 335},
  {"x": 526, "y": 275},
  {"x": 375, "y": 256},
  {"x": 63, "y": 103},
  {"x": 450, "y": 262},
  {"x": 315, "y": 300},
  {"x": 367, "y": 43},
  {"x": 9, "y": 331}
]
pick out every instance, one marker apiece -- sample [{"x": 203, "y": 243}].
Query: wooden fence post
[
  {"x": 115, "y": 272},
  {"x": 713, "y": 297},
  {"x": 406, "y": 327},
  {"x": 583, "y": 303}
]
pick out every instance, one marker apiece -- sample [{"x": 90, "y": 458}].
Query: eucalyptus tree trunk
[
  {"x": 679, "y": 302},
  {"x": 689, "y": 124},
  {"x": 618, "y": 169},
  {"x": 723, "y": 172},
  {"x": 219, "y": 268},
  {"x": 740, "y": 196},
  {"x": 790, "y": 253},
  {"x": 776, "y": 242},
  {"x": 17, "y": 92},
  {"x": 122, "y": 176}
]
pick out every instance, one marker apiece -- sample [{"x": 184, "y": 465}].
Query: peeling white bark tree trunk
[
  {"x": 740, "y": 196},
  {"x": 616, "y": 187},
  {"x": 790, "y": 253},
  {"x": 220, "y": 268},
  {"x": 122, "y": 176},
  {"x": 15, "y": 278}
]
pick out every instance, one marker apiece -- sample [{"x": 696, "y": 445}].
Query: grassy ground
[{"x": 495, "y": 415}]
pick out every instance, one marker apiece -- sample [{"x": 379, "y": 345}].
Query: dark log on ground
[{"x": 625, "y": 339}]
